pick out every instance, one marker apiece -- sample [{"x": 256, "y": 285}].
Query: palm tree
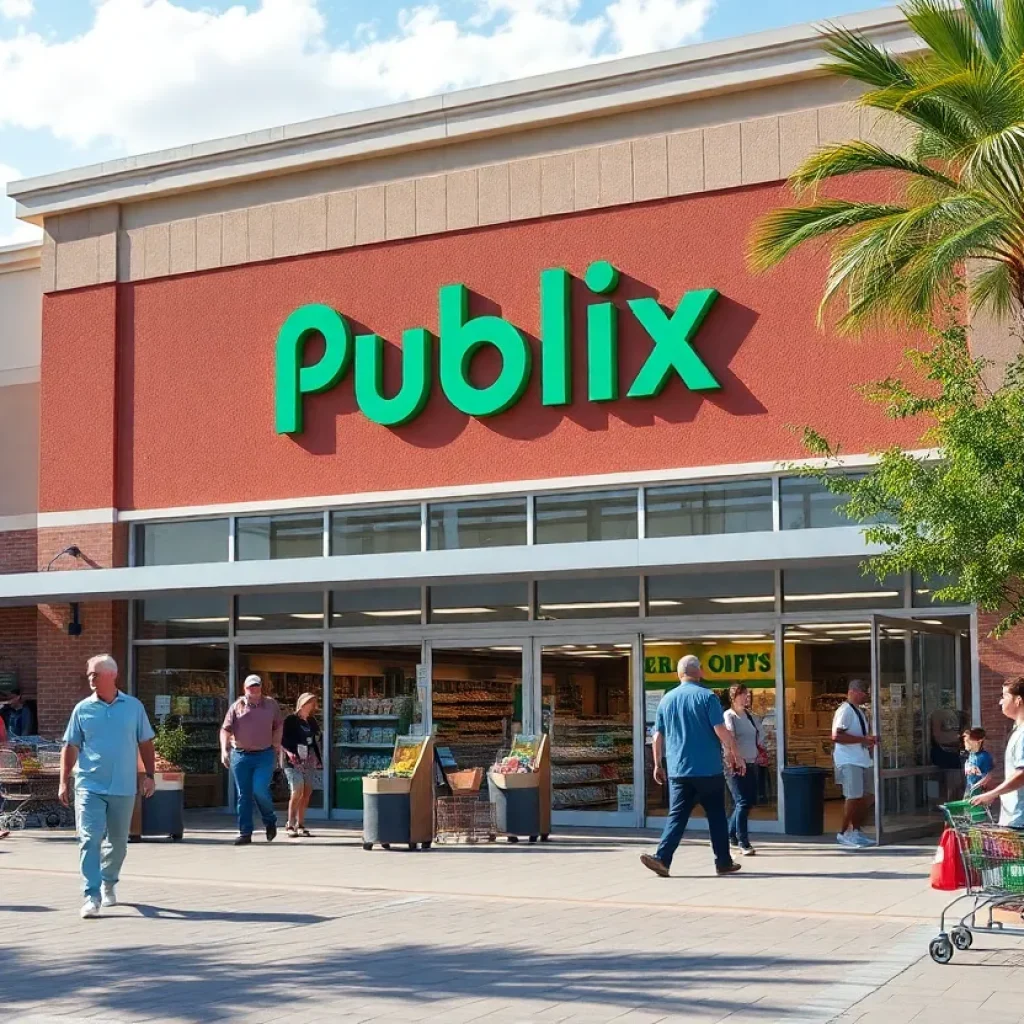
[{"x": 960, "y": 184}]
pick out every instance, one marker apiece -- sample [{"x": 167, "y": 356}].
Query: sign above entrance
[{"x": 462, "y": 336}]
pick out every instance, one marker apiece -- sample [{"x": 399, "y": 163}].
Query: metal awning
[{"x": 769, "y": 549}]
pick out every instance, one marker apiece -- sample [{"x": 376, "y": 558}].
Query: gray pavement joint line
[{"x": 359, "y": 890}]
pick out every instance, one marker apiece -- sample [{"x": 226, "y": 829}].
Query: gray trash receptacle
[{"x": 804, "y": 789}]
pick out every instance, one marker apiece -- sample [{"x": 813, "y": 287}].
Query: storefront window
[
  {"x": 182, "y": 616},
  {"x": 924, "y": 591},
  {"x": 479, "y": 602},
  {"x": 690, "y": 510},
  {"x": 842, "y": 587},
  {"x": 375, "y": 531},
  {"x": 375, "y": 700},
  {"x": 279, "y": 611},
  {"x": 376, "y": 606},
  {"x": 261, "y": 537},
  {"x": 604, "y": 515},
  {"x": 747, "y": 657},
  {"x": 587, "y": 711},
  {"x": 477, "y": 703},
  {"x": 477, "y": 524},
  {"x": 806, "y": 504},
  {"x": 187, "y": 686},
  {"x": 596, "y": 597},
  {"x": 711, "y": 593},
  {"x": 185, "y": 543}
]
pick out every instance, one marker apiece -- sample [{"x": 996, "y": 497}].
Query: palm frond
[
  {"x": 984, "y": 14},
  {"x": 783, "y": 230},
  {"x": 991, "y": 290},
  {"x": 857, "y": 158},
  {"x": 949, "y": 35},
  {"x": 1013, "y": 32},
  {"x": 855, "y": 56}
]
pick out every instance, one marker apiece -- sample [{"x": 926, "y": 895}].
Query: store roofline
[
  {"x": 762, "y": 549},
  {"x": 615, "y": 86},
  {"x": 21, "y": 256}
]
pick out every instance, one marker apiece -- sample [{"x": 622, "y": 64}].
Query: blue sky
[{"x": 87, "y": 80}]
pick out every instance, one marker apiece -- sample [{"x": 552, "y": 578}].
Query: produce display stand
[
  {"x": 162, "y": 814},
  {"x": 399, "y": 808},
  {"x": 522, "y": 800}
]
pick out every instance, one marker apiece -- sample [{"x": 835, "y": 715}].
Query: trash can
[{"x": 804, "y": 790}]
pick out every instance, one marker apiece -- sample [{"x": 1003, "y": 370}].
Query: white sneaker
[
  {"x": 861, "y": 839},
  {"x": 91, "y": 907},
  {"x": 109, "y": 895},
  {"x": 848, "y": 840}
]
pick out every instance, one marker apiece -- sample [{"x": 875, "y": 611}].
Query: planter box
[
  {"x": 385, "y": 785},
  {"x": 521, "y": 780}
]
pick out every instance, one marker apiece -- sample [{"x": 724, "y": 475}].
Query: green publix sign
[{"x": 462, "y": 336}]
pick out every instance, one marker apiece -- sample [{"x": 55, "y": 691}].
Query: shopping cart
[
  {"x": 29, "y": 782},
  {"x": 466, "y": 818},
  {"x": 993, "y": 861}
]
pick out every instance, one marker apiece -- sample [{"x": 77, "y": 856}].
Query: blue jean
[
  {"x": 684, "y": 794},
  {"x": 103, "y": 823},
  {"x": 253, "y": 772},
  {"x": 744, "y": 796}
]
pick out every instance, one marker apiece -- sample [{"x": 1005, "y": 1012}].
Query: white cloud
[
  {"x": 16, "y": 9},
  {"x": 13, "y": 231},
  {"x": 150, "y": 73}
]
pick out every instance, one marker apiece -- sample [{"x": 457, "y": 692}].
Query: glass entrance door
[
  {"x": 589, "y": 710},
  {"x": 917, "y": 714}
]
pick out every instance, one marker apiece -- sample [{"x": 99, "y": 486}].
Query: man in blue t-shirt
[{"x": 690, "y": 734}]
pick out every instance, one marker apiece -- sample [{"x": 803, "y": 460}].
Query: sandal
[
  {"x": 305, "y": 833},
  {"x": 291, "y": 832}
]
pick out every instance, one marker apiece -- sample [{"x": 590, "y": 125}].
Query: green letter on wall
[
  {"x": 555, "y": 338},
  {"x": 672, "y": 348},
  {"x": 293, "y": 380},
  {"x": 461, "y": 337},
  {"x": 415, "y": 389}
]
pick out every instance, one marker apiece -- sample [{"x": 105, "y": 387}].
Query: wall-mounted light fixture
[{"x": 75, "y": 625}]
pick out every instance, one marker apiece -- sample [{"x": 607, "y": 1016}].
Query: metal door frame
[{"x": 908, "y": 625}]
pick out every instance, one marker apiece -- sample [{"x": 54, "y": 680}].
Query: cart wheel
[
  {"x": 533, "y": 839},
  {"x": 941, "y": 950},
  {"x": 53, "y": 820},
  {"x": 177, "y": 837},
  {"x": 546, "y": 838},
  {"x": 962, "y": 938},
  {"x": 369, "y": 846},
  {"x": 513, "y": 839},
  {"x": 425, "y": 846}
]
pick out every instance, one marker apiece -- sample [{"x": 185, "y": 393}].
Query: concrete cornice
[
  {"x": 23, "y": 256},
  {"x": 686, "y": 73}
]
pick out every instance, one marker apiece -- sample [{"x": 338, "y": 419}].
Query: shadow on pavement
[
  {"x": 199, "y": 983},
  {"x": 232, "y": 916},
  {"x": 25, "y": 909}
]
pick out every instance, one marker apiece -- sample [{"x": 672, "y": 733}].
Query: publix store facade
[{"x": 468, "y": 416}]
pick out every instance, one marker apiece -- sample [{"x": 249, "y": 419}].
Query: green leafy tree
[{"x": 958, "y": 188}]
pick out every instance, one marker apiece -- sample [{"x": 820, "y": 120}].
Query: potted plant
[{"x": 164, "y": 812}]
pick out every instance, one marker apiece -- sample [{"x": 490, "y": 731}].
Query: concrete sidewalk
[{"x": 575, "y": 930}]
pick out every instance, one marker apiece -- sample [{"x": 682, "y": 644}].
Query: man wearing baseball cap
[
  {"x": 17, "y": 716},
  {"x": 851, "y": 753},
  {"x": 250, "y": 743}
]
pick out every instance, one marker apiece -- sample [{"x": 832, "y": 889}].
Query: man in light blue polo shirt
[{"x": 106, "y": 734}]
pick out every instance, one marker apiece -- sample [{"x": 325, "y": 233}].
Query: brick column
[{"x": 1000, "y": 661}]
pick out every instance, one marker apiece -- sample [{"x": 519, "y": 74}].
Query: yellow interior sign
[{"x": 723, "y": 664}]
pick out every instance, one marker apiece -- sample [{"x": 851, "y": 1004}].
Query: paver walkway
[{"x": 320, "y": 930}]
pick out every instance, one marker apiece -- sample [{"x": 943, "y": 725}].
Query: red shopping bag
[{"x": 947, "y": 868}]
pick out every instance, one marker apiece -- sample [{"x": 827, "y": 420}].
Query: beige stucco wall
[{"x": 20, "y": 334}]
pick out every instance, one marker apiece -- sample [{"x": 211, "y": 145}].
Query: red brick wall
[
  {"x": 998, "y": 661},
  {"x": 18, "y": 551}
]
